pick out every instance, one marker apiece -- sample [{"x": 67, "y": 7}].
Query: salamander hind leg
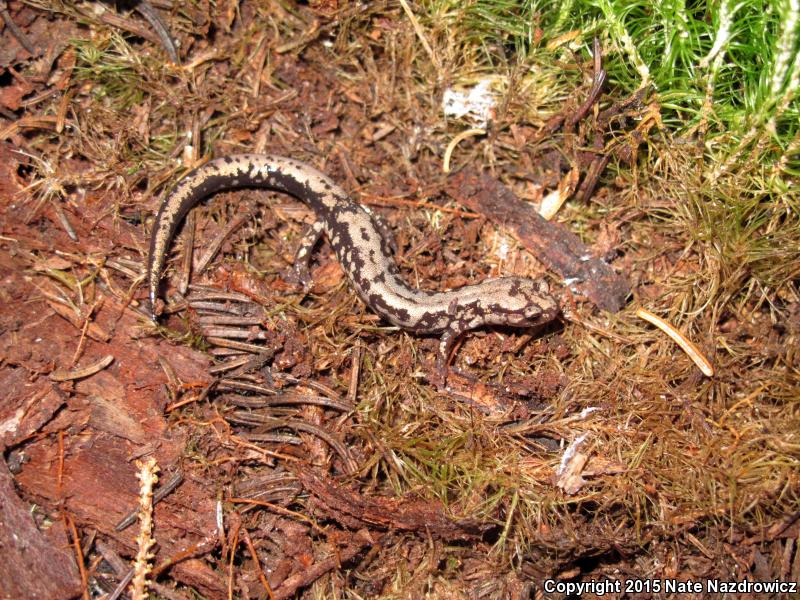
[{"x": 446, "y": 344}]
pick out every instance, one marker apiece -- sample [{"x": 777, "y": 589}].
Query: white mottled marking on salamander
[{"x": 364, "y": 254}]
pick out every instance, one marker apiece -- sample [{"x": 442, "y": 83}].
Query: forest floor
[{"x": 303, "y": 450}]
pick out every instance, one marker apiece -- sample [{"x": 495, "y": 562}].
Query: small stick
[
  {"x": 686, "y": 345},
  {"x": 61, "y": 116},
  {"x": 229, "y": 332},
  {"x": 455, "y": 141},
  {"x": 229, "y": 320},
  {"x": 123, "y": 583},
  {"x": 319, "y": 568},
  {"x": 200, "y": 292},
  {"x": 116, "y": 562},
  {"x": 60, "y": 477},
  {"x": 395, "y": 202},
  {"x": 254, "y": 555},
  {"x": 278, "y": 509},
  {"x": 94, "y": 331},
  {"x": 226, "y": 343},
  {"x": 64, "y": 222},
  {"x": 169, "y": 371},
  {"x": 29, "y": 122},
  {"x": 76, "y": 543},
  {"x": 86, "y": 323},
  {"x": 355, "y": 371},
  {"x": 234, "y": 544},
  {"x": 109, "y": 17},
  {"x": 262, "y": 49},
  {"x": 202, "y": 547},
  {"x": 160, "y": 27},
  {"x": 301, "y": 40},
  {"x": 161, "y": 493},
  {"x": 64, "y": 375},
  {"x": 597, "y": 86},
  {"x": 15, "y": 31},
  {"x": 234, "y": 364},
  {"x": 287, "y": 400}
]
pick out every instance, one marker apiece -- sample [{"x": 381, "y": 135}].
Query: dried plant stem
[
  {"x": 420, "y": 33},
  {"x": 686, "y": 345},
  {"x": 455, "y": 141},
  {"x": 148, "y": 477}
]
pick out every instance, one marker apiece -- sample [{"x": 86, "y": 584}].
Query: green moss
[{"x": 728, "y": 69}]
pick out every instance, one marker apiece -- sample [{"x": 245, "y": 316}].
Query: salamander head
[{"x": 521, "y": 302}]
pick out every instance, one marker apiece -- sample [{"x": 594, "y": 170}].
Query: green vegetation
[{"x": 728, "y": 71}]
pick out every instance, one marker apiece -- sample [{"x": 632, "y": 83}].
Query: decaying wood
[
  {"x": 49, "y": 572},
  {"x": 81, "y": 436},
  {"x": 355, "y": 511},
  {"x": 555, "y": 246},
  {"x": 360, "y": 540}
]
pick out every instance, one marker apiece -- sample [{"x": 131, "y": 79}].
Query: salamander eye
[{"x": 532, "y": 311}]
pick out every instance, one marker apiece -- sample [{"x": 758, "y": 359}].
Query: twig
[
  {"x": 270, "y": 423},
  {"x": 60, "y": 476},
  {"x": 279, "y": 509},
  {"x": 235, "y": 333},
  {"x": 86, "y": 323},
  {"x": 290, "y": 399},
  {"x": 61, "y": 114},
  {"x": 123, "y": 583},
  {"x": 63, "y": 221},
  {"x": 202, "y": 547},
  {"x": 64, "y": 375},
  {"x": 262, "y": 50},
  {"x": 597, "y": 86},
  {"x": 16, "y": 31},
  {"x": 226, "y": 343},
  {"x": 244, "y": 320},
  {"x": 191, "y": 399},
  {"x": 455, "y": 141},
  {"x": 202, "y": 292},
  {"x": 144, "y": 8},
  {"x": 355, "y": 371},
  {"x": 234, "y": 544},
  {"x": 392, "y": 202},
  {"x": 315, "y": 571},
  {"x": 29, "y": 122},
  {"x": 76, "y": 543},
  {"x": 161, "y": 493},
  {"x": 686, "y": 345},
  {"x": 257, "y": 562},
  {"x": 301, "y": 40}
]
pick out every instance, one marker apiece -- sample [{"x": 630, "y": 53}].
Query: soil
[{"x": 303, "y": 451}]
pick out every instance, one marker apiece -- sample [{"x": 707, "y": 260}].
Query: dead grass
[{"x": 681, "y": 469}]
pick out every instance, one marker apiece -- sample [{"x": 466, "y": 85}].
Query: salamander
[{"x": 363, "y": 252}]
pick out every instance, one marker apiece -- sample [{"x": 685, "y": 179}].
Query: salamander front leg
[
  {"x": 301, "y": 271},
  {"x": 446, "y": 343}
]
